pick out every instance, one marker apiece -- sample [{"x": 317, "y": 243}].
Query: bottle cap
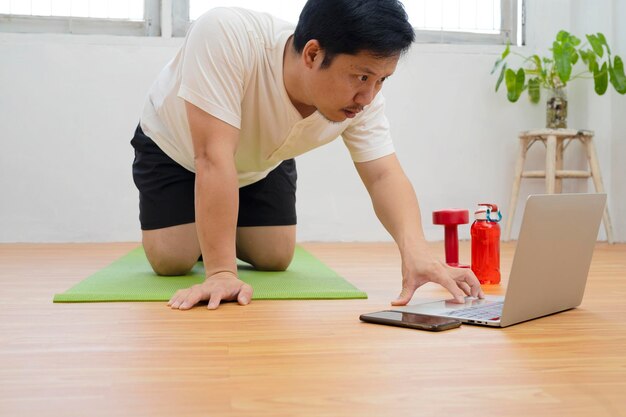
[
  {"x": 492, "y": 207},
  {"x": 481, "y": 213},
  {"x": 485, "y": 212}
]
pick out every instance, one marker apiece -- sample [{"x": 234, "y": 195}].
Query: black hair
[{"x": 380, "y": 27}]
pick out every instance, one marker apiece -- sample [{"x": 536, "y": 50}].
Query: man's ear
[{"x": 312, "y": 54}]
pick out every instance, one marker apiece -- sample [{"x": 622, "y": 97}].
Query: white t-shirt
[{"x": 231, "y": 66}]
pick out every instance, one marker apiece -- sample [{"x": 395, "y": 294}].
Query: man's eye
[{"x": 363, "y": 78}]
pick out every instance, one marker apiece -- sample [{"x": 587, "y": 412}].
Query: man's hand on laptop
[{"x": 417, "y": 272}]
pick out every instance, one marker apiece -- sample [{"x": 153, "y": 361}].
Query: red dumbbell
[{"x": 450, "y": 219}]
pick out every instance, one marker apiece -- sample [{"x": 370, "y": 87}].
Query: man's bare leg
[
  {"x": 267, "y": 248},
  {"x": 174, "y": 250}
]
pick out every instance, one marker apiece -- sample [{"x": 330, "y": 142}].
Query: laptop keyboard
[{"x": 491, "y": 311}]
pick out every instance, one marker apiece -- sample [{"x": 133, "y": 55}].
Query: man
[{"x": 225, "y": 118}]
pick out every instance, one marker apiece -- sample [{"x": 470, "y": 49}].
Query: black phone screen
[{"x": 414, "y": 320}]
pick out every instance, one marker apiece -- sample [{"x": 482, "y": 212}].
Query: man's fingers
[
  {"x": 477, "y": 290},
  {"x": 471, "y": 280},
  {"x": 215, "y": 292},
  {"x": 214, "y": 301},
  {"x": 465, "y": 287},
  {"x": 405, "y": 296},
  {"x": 451, "y": 285},
  {"x": 458, "y": 281},
  {"x": 193, "y": 298},
  {"x": 245, "y": 294},
  {"x": 177, "y": 299},
  {"x": 443, "y": 277}
]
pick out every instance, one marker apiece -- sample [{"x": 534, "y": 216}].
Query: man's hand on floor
[{"x": 223, "y": 286}]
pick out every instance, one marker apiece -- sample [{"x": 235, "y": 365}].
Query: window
[
  {"x": 466, "y": 21},
  {"x": 288, "y": 10},
  {"x": 120, "y": 17},
  {"x": 435, "y": 21}
]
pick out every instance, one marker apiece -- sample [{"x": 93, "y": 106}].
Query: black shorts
[{"x": 166, "y": 191}]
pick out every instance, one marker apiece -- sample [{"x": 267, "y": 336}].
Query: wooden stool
[{"x": 555, "y": 141}]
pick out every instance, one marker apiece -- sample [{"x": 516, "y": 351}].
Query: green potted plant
[{"x": 554, "y": 72}]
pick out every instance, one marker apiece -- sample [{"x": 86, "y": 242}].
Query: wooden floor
[{"x": 298, "y": 358}]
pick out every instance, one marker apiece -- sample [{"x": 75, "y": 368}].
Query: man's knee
[
  {"x": 166, "y": 263},
  {"x": 172, "y": 251},
  {"x": 169, "y": 266},
  {"x": 266, "y": 248},
  {"x": 273, "y": 261}
]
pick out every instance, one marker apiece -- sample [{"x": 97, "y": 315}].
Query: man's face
[{"x": 350, "y": 83}]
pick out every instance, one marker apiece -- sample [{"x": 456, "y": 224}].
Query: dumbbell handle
[{"x": 452, "y": 244}]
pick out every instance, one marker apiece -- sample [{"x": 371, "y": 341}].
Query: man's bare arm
[
  {"x": 398, "y": 210},
  {"x": 216, "y": 206}
]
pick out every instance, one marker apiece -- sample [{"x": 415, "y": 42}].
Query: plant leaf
[
  {"x": 501, "y": 77},
  {"x": 590, "y": 59},
  {"x": 574, "y": 40},
  {"x": 562, "y": 60},
  {"x": 573, "y": 57},
  {"x": 500, "y": 60},
  {"x": 534, "y": 90},
  {"x": 519, "y": 81},
  {"x": 496, "y": 65},
  {"x": 511, "y": 85},
  {"x": 507, "y": 49},
  {"x": 618, "y": 79},
  {"x": 537, "y": 61},
  {"x": 603, "y": 41},
  {"x": 596, "y": 44},
  {"x": 585, "y": 57},
  {"x": 562, "y": 36},
  {"x": 601, "y": 79}
]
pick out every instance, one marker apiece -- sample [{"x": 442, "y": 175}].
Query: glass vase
[{"x": 556, "y": 109}]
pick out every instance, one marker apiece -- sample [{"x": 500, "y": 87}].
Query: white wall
[
  {"x": 605, "y": 114},
  {"x": 68, "y": 109},
  {"x": 69, "y": 104},
  {"x": 618, "y": 145}
]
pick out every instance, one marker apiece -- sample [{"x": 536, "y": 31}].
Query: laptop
[{"x": 550, "y": 266}]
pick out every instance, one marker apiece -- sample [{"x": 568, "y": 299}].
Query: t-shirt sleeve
[
  {"x": 213, "y": 67},
  {"x": 369, "y": 138}
]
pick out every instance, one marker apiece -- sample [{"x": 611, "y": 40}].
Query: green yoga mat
[{"x": 130, "y": 278}]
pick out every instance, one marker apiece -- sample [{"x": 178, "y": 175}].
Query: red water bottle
[{"x": 485, "y": 232}]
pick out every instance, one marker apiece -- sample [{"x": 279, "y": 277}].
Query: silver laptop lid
[{"x": 553, "y": 255}]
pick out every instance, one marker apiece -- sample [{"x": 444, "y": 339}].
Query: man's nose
[{"x": 365, "y": 96}]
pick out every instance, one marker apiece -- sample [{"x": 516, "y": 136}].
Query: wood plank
[
  {"x": 298, "y": 358},
  {"x": 558, "y": 174}
]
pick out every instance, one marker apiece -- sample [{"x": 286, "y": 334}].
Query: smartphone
[{"x": 411, "y": 320}]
